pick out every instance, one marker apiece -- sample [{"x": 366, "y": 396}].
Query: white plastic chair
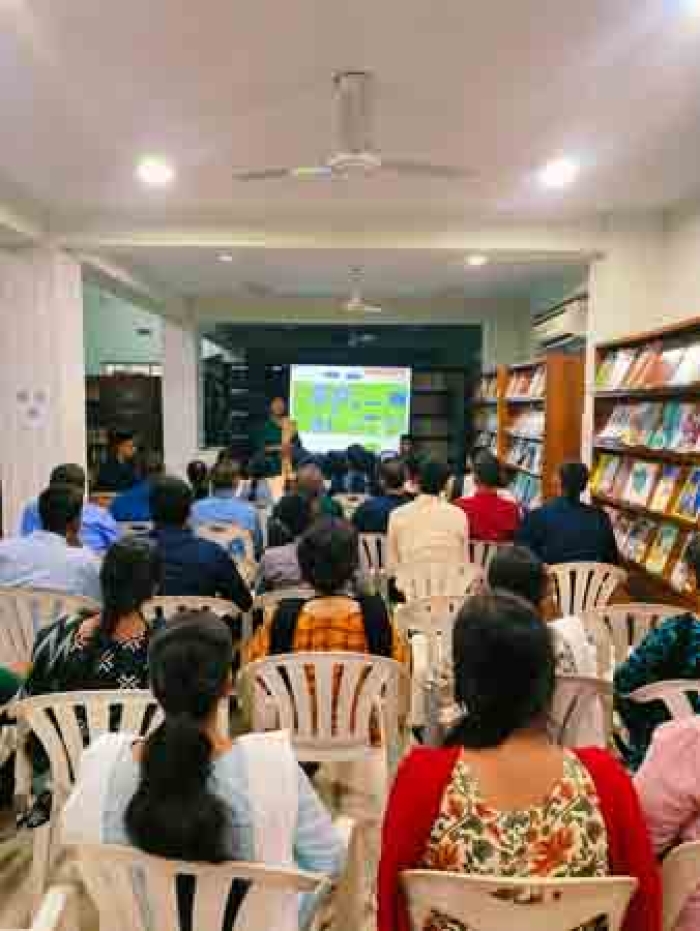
[
  {"x": 166, "y": 606},
  {"x": 269, "y": 600},
  {"x": 582, "y": 586},
  {"x": 63, "y": 733},
  {"x": 425, "y": 579},
  {"x": 616, "y": 630},
  {"x": 350, "y": 503},
  {"x": 126, "y": 905},
  {"x": 237, "y": 542},
  {"x": 488, "y": 903},
  {"x": 328, "y": 702},
  {"x": 134, "y": 528},
  {"x": 373, "y": 554},
  {"x": 481, "y": 553},
  {"x": 428, "y": 625},
  {"x": 58, "y": 911},
  {"x": 23, "y": 612},
  {"x": 672, "y": 692},
  {"x": 582, "y": 711},
  {"x": 680, "y": 879}
]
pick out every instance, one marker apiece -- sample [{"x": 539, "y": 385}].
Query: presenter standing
[{"x": 279, "y": 440}]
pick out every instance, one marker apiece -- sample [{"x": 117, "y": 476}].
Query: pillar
[
  {"x": 180, "y": 396},
  {"x": 42, "y": 373}
]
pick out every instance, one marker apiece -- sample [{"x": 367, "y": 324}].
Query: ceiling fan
[
  {"x": 354, "y": 152},
  {"x": 356, "y": 303}
]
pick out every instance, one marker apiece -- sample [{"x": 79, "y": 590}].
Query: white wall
[{"x": 112, "y": 327}]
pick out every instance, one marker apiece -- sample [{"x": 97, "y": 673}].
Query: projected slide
[{"x": 335, "y": 406}]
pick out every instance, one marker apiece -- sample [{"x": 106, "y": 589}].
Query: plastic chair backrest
[
  {"x": 58, "y": 910},
  {"x": 581, "y": 586},
  {"x": 269, "y": 600},
  {"x": 66, "y": 722},
  {"x": 621, "y": 628},
  {"x": 326, "y": 700},
  {"x": 425, "y": 579},
  {"x": 672, "y": 692},
  {"x": 681, "y": 878},
  {"x": 487, "y": 903},
  {"x": 575, "y": 699},
  {"x": 109, "y": 873},
  {"x": 165, "y": 606},
  {"x": 23, "y": 612},
  {"x": 481, "y": 553},
  {"x": 434, "y": 617},
  {"x": 372, "y": 553},
  {"x": 237, "y": 541}
]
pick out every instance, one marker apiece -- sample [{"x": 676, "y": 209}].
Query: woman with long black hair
[{"x": 188, "y": 791}]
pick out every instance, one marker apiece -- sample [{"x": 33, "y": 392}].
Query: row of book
[
  {"x": 649, "y": 366},
  {"x": 659, "y": 548},
  {"x": 674, "y": 425},
  {"x": 665, "y": 489},
  {"x": 486, "y": 419},
  {"x": 527, "y": 489},
  {"x": 487, "y": 388},
  {"x": 527, "y": 383},
  {"x": 527, "y": 454},
  {"x": 486, "y": 440},
  {"x": 528, "y": 422}
]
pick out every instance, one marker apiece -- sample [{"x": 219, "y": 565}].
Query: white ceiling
[{"x": 86, "y": 88}]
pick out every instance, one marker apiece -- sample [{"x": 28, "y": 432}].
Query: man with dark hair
[
  {"x": 98, "y": 530},
  {"x": 134, "y": 504},
  {"x": 223, "y": 506},
  {"x": 428, "y": 529},
  {"x": 311, "y": 483},
  {"x": 492, "y": 518},
  {"x": 372, "y": 516},
  {"x": 191, "y": 566},
  {"x": 406, "y": 446},
  {"x": 52, "y": 558},
  {"x": 567, "y": 530},
  {"x": 118, "y": 472}
]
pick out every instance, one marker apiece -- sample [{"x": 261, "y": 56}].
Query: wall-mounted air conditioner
[{"x": 563, "y": 326}]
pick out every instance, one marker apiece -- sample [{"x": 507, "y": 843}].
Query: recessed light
[
  {"x": 559, "y": 172},
  {"x": 476, "y": 261},
  {"x": 155, "y": 171},
  {"x": 226, "y": 257}
]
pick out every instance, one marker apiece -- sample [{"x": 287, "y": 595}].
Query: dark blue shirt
[
  {"x": 568, "y": 531},
  {"x": 116, "y": 476},
  {"x": 372, "y": 516},
  {"x": 198, "y": 567},
  {"x": 133, "y": 504}
]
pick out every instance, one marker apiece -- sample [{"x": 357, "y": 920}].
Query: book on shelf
[
  {"x": 622, "y": 525},
  {"x": 640, "y": 484},
  {"x": 487, "y": 387},
  {"x": 688, "y": 439},
  {"x": 643, "y": 422},
  {"x": 661, "y": 549},
  {"x": 527, "y": 489},
  {"x": 605, "y": 474},
  {"x": 537, "y": 385},
  {"x": 621, "y": 479},
  {"x": 667, "y": 433},
  {"x": 527, "y": 383},
  {"x": 688, "y": 372},
  {"x": 616, "y": 425},
  {"x": 528, "y": 422},
  {"x": 688, "y": 504},
  {"x": 664, "y": 369},
  {"x": 613, "y": 369},
  {"x": 680, "y": 577},
  {"x": 639, "y": 539},
  {"x": 640, "y": 371},
  {"x": 665, "y": 488}
]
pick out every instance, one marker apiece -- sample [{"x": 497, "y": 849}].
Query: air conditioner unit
[{"x": 565, "y": 325}]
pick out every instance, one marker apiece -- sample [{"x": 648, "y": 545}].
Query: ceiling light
[
  {"x": 559, "y": 172},
  {"x": 226, "y": 257},
  {"x": 476, "y": 261},
  {"x": 155, "y": 171}
]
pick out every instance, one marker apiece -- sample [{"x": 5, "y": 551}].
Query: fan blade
[
  {"x": 312, "y": 172},
  {"x": 371, "y": 309},
  {"x": 427, "y": 170},
  {"x": 265, "y": 174}
]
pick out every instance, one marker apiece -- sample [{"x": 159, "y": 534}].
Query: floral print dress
[{"x": 564, "y": 837}]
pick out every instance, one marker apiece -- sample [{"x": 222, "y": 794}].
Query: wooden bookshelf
[
  {"x": 641, "y": 416},
  {"x": 437, "y": 414}
]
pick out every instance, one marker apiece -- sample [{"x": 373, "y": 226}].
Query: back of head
[
  {"x": 328, "y": 554},
  {"x": 257, "y": 467},
  {"x": 294, "y": 512},
  {"x": 392, "y": 474},
  {"x": 504, "y": 670},
  {"x": 573, "y": 478},
  {"x": 197, "y": 473},
  {"x": 60, "y": 508},
  {"x": 358, "y": 457},
  {"x": 173, "y": 813},
  {"x": 171, "y": 501},
  {"x": 433, "y": 477},
  {"x": 129, "y": 576},
  {"x": 226, "y": 475},
  {"x": 517, "y": 570},
  {"x": 487, "y": 470},
  {"x": 69, "y": 473},
  {"x": 310, "y": 478}
]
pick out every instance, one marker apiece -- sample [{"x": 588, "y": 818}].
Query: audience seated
[
  {"x": 372, "y": 516},
  {"x": 107, "y": 650},
  {"x": 671, "y": 651},
  {"x": 134, "y": 504},
  {"x": 256, "y": 489},
  {"x": 567, "y": 530},
  {"x": 189, "y": 792},
  {"x": 198, "y": 477},
  {"x": 311, "y": 483},
  {"x": 491, "y": 517},
  {"x": 406, "y": 446},
  {"x": 118, "y": 472},
  {"x": 335, "y": 618},
  {"x": 279, "y": 566},
  {"x": 412, "y": 464},
  {"x": 669, "y": 791},
  {"x": 98, "y": 529},
  {"x": 499, "y": 798},
  {"x": 52, "y": 558},
  {"x": 191, "y": 566},
  {"x": 428, "y": 528},
  {"x": 361, "y": 467},
  {"x": 224, "y": 507}
]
